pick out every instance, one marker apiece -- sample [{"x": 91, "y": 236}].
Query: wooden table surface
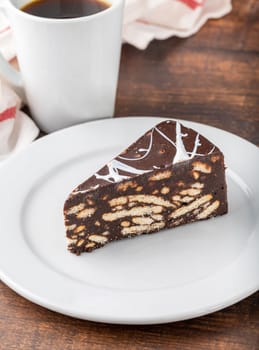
[{"x": 212, "y": 78}]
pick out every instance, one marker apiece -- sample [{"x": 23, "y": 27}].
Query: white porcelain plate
[{"x": 172, "y": 275}]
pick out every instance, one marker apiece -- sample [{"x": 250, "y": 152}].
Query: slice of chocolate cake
[{"x": 170, "y": 176}]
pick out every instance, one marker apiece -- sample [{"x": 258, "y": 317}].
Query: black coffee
[{"x": 65, "y": 8}]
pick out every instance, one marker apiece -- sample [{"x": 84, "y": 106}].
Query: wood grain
[
  {"x": 24, "y": 325},
  {"x": 213, "y": 78}
]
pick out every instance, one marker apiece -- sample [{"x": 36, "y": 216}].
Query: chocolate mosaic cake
[{"x": 170, "y": 176}]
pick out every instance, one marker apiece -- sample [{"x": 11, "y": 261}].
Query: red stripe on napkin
[
  {"x": 193, "y": 4},
  {"x": 8, "y": 114},
  {"x": 5, "y": 29}
]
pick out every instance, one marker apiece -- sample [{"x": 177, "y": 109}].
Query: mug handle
[{"x": 7, "y": 73}]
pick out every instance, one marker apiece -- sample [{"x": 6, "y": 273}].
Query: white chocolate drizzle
[
  {"x": 113, "y": 171},
  {"x": 86, "y": 190},
  {"x": 146, "y": 150},
  {"x": 181, "y": 154}
]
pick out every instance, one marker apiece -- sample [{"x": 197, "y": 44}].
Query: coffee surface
[{"x": 65, "y": 8}]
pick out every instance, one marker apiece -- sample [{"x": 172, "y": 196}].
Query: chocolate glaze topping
[{"x": 165, "y": 144}]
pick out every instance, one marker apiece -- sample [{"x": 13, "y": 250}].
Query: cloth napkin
[
  {"x": 6, "y": 40},
  {"x": 17, "y": 130},
  {"x": 144, "y": 20}
]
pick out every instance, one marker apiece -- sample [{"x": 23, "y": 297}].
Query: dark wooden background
[{"x": 212, "y": 78}]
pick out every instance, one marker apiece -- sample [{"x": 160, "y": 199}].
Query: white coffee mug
[{"x": 68, "y": 67}]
